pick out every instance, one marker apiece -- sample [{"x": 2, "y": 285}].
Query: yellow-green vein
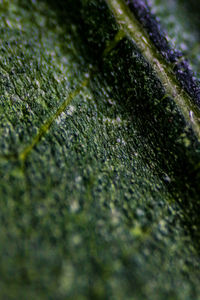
[{"x": 45, "y": 127}]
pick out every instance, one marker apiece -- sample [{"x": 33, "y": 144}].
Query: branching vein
[{"x": 45, "y": 127}]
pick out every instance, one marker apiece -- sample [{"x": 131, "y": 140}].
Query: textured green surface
[{"x": 105, "y": 205}]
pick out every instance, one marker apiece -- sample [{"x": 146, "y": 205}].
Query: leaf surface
[{"x": 99, "y": 170}]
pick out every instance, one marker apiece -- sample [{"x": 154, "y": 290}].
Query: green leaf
[{"x": 99, "y": 168}]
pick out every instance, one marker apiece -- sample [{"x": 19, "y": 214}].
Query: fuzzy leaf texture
[{"x": 99, "y": 164}]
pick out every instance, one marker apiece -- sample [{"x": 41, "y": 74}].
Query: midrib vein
[{"x": 134, "y": 31}]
